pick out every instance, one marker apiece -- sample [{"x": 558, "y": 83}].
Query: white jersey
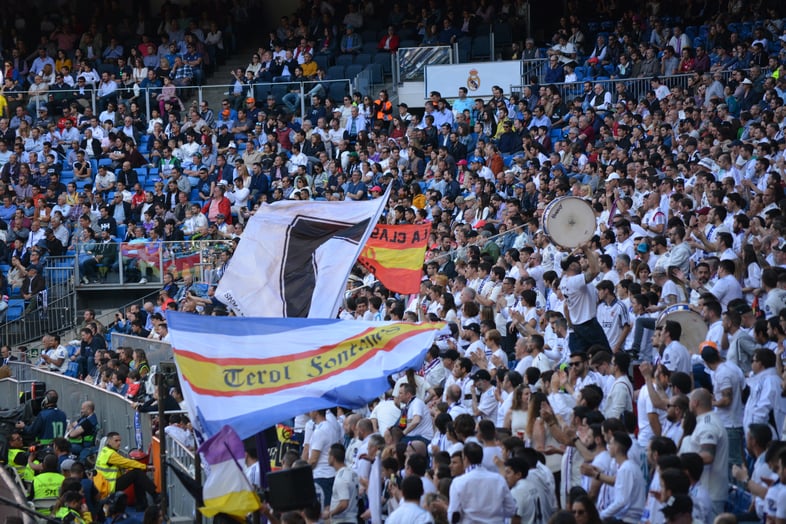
[{"x": 613, "y": 318}]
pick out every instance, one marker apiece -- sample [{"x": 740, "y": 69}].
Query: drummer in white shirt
[{"x": 581, "y": 300}]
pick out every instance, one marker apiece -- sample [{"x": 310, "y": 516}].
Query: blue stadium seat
[
  {"x": 337, "y": 91},
  {"x": 353, "y": 70},
  {"x": 344, "y": 60},
  {"x": 362, "y": 59},
  {"x": 480, "y": 47},
  {"x": 322, "y": 61},
  {"x": 261, "y": 91},
  {"x": 122, "y": 229},
  {"x": 370, "y": 48},
  {"x": 104, "y": 162},
  {"x": 336, "y": 72},
  {"x": 377, "y": 73},
  {"x": 383, "y": 60},
  {"x": 16, "y": 307}
]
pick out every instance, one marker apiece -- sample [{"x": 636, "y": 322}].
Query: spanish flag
[{"x": 395, "y": 254}]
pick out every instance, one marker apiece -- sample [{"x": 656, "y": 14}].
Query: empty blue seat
[
  {"x": 480, "y": 47},
  {"x": 104, "y": 162},
  {"x": 322, "y": 61},
  {"x": 362, "y": 59},
  {"x": 336, "y": 91},
  {"x": 377, "y": 74},
  {"x": 122, "y": 229},
  {"x": 353, "y": 70},
  {"x": 383, "y": 60},
  {"x": 336, "y": 72},
  {"x": 344, "y": 60},
  {"x": 16, "y": 308}
]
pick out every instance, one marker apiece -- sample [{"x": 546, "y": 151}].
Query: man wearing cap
[
  {"x": 727, "y": 384},
  {"x": 581, "y": 300},
  {"x": 484, "y": 403}
]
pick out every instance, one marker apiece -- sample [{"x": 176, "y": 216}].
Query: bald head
[
  {"x": 364, "y": 428},
  {"x": 701, "y": 401}
]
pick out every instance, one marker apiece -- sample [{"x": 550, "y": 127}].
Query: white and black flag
[{"x": 295, "y": 257}]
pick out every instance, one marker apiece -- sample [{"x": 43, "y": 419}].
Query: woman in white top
[
  {"x": 448, "y": 311},
  {"x": 255, "y": 66},
  {"x": 139, "y": 72},
  {"x": 539, "y": 435},
  {"x": 674, "y": 291},
  {"x": 422, "y": 388},
  {"x": 752, "y": 275},
  {"x": 517, "y": 417}
]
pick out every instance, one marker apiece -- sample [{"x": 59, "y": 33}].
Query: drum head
[
  {"x": 569, "y": 222},
  {"x": 694, "y": 329}
]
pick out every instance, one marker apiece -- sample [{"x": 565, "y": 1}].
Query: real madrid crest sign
[{"x": 473, "y": 81}]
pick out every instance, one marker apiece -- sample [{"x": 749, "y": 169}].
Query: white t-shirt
[
  {"x": 709, "y": 431},
  {"x": 726, "y": 289},
  {"x": 345, "y": 487},
  {"x": 613, "y": 318},
  {"x": 580, "y": 297},
  {"x": 321, "y": 440},
  {"x": 676, "y": 357},
  {"x": 644, "y": 407},
  {"x": 729, "y": 376},
  {"x": 56, "y": 354},
  {"x": 425, "y": 428},
  {"x": 387, "y": 414}
]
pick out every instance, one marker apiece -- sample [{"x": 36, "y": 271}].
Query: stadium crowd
[{"x": 558, "y": 391}]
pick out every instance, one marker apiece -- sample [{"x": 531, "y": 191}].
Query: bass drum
[
  {"x": 568, "y": 222},
  {"x": 694, "y": 329}
]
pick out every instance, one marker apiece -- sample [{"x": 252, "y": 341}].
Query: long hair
[{"x": 535, "y": 401}]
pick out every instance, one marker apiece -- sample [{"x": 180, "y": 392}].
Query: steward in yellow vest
[
  {"x": 121, "y": 472},
  {"x": 46, "y": 486}
]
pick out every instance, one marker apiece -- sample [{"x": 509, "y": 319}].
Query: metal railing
[
  {"x": 148, "y": 98},
  {"x": 181, "y": 503},
  {"x": 635, "y": 87},
  {"x": 155, "y": 350},
  {"x": 129, "y": 262},
  {"x": 295, "y": 96},
  {"x": 52, "y": 312},
  {"x": 12, "y": 490},
  {"x": 115, "y": 413},
  {"x": 535, "y": 67}
]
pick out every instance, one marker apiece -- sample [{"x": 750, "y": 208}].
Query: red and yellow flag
[{"x": 395, "y": 255}]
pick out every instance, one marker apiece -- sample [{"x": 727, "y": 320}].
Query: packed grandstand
[{"x": 636, "y": 376}]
